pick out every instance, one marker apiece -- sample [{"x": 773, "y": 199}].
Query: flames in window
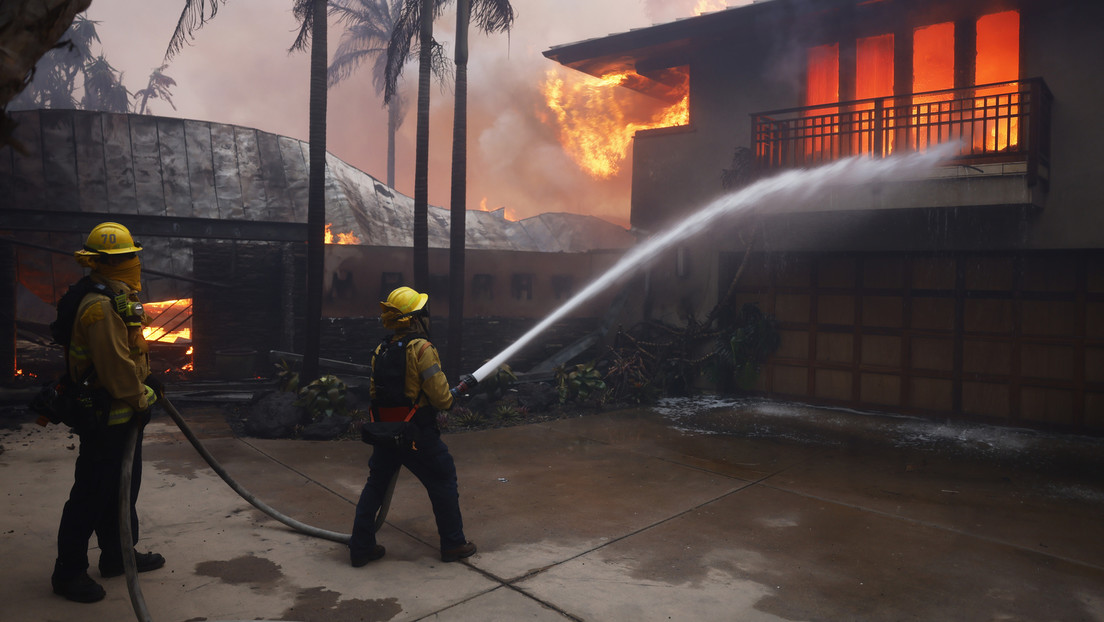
[
  {"x": 596, "y": 118},
  {"x": 171, "y": 320},
  {"x": 998, "y": 60},
  {"x": 986, "y": 119},
  {"x": 171, "y": 323}
]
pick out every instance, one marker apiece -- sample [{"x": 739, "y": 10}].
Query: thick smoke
[{"x": 238, "y": 71}]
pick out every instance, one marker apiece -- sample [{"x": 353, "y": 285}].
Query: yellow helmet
[
  {"x": 405, "y": 300},
  {"x": 110, "y": 238}
]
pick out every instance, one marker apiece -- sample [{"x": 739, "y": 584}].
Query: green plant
[
  {"x": 465, "y": 417},
  {"x": 323, "y": 397},
  {"x": 743, "y": 346},
  {"x": 507, "y": 413},
  {"x": 578, "y": 382},
  {"x": 287, "y": 379}
]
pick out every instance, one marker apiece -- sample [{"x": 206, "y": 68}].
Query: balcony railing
[{"x": 1003, "y": 122}]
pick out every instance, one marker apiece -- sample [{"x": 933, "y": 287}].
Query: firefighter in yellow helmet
[
  {"x": 409, "y": 393},
  {"x": 108, "y": 359}
]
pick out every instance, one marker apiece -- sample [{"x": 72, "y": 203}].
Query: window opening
[
  {"x": 997, "y": 60},
  {"x": 483, "y": 287},
  {"x": 521, "y": 286},
  {"x": 932, "y": 70},
  {"x": 873, "y": 79},
  {"x": 821, "y": 127}
]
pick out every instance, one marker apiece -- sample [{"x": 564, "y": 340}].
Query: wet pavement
[{"x": 693, "y": 510}]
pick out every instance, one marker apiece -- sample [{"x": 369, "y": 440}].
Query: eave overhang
[{"x": 647, "y": 54}]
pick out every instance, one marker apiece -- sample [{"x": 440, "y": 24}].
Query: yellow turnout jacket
[{"x": 118, "y": 353}]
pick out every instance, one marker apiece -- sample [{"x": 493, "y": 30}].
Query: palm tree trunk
[
  {"x": 421, "y": 163},
  {"x": 458, "y": 204},
  {"x": 392, "y": 129},
  {"x": 316, "y": 195}
]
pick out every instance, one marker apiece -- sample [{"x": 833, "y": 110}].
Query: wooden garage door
[{"x": 1016, "y": 338}]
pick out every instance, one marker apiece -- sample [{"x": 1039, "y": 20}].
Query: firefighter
[
  {"x": 417, "y": 387},
  {"x": 107, "y": 352}
]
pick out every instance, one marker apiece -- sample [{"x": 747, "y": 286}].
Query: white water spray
[{"x": 794, "y": 187}]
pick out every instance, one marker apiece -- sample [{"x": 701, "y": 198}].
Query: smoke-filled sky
[{"x": 237, "y": 70}]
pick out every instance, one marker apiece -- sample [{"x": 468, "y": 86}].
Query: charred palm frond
[{"x": 195, "y": 14}]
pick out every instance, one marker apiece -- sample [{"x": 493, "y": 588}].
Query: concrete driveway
[{"x": 690, "y": 511}]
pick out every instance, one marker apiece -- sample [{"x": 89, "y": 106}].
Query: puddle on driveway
[
  {"x": 317, "y": 604},
  {"x": 244, "y": 569}
]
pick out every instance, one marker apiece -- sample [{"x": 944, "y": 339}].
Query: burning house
[
  {"x": 222, "y": 210},
  {"x": 975, "y": 290}
]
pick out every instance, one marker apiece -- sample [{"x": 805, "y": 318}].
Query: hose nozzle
[{"x": 467, "y": 383}]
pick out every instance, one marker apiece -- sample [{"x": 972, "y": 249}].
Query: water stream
[{"x": 791, "y": 188}]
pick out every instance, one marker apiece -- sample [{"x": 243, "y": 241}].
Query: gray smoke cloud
[{"x": 237, "y": 70}]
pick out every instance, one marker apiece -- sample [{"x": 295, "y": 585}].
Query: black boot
[
  {"x": 144, "y": 561},
  {"x": 81, "y": 589}
]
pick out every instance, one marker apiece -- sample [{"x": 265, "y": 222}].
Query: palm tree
[
  {"x": 103, "y": 87},
  {"x": 369, "y": 24},
  {"x": 416, "y": 17},
  {"x": 489, "y": 16},
  {"x": 70, "y": 67},
  {"x": 193, "y": 16},
  {"x": 158, "y": 88},
  {"x": 312, "y": 17}
]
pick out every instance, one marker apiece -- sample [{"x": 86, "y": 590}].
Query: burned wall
[
  {"x": 353, "y": 339},
  {"x": 498, "y": 283},
  {"x": 261, "y": 307},
  {"x": 258, "y": 306}
]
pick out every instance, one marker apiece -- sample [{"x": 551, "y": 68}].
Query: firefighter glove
[
  {"x": 151, "y": 397},
  {"x": 155, "y": 383}
]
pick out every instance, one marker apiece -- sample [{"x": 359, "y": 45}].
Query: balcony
[{"x": 1003, "y": 129}]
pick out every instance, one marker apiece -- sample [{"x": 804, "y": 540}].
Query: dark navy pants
[
  {"x": 93, "y": 504},
  {"x": 432, "y": 464}
]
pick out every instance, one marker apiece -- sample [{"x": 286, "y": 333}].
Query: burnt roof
[
  {"x": 172, "y": 181},
  {"x": 664, "y": 45},
  {"x": 237, "y": 182}
]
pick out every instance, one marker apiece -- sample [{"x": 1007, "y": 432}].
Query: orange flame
[
  {"x": 340, "y": 238},
  {"x": 707, "y": 6},
  {"x": 179, "y": 318},
  {"x": 594, "y": 123}
]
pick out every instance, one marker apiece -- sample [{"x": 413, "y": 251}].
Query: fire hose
[{"x": 130, "y": 565}]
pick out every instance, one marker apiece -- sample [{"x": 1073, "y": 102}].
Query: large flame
[
  {"x": 340, "y": 238},
  {"x": 596, "y": 124}
]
